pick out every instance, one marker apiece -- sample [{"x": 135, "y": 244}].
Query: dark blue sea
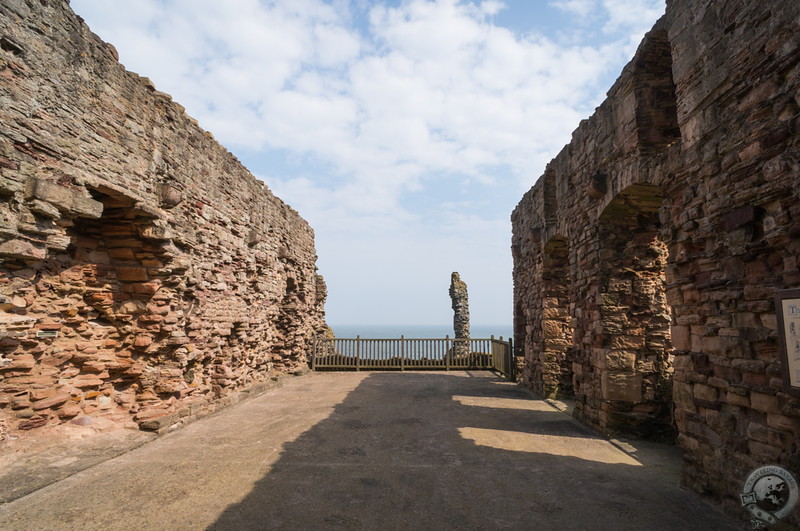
[{"x": 417, "y": 331}]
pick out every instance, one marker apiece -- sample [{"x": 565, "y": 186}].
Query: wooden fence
[{"x": 403, "y": 354}]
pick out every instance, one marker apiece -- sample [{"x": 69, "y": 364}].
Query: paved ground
[
  {"x": 459, "y": 450},
  {"x": 51, "y": 457}
]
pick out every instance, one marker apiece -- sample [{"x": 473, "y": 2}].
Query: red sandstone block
[
  {"x": 712, "y": 345},
  {"x": 760, "y": 380},
  {"x": 53, "y": 401},
  {"x": 20, "y": 402},
  {"x": 71, "y": 276},
  {"x": 150, "y": 318},
  {"x": 86, "y": 381},
  {"x": 146, "y": 396},
  {"x": 143, "y": 341},
  {"x": 705, "y": 393},
  {"x": 781, "y": 439},
  {"x": 776, "y": 383},
  {"x": 763, "y": 452},
  {"x": 24, "y": 362},
  {"x": 758, "y": 94},
  {"x": 766, "y": 351},
  {"x": 749, "y": 366},
  {"x": 94, "y": 366},
  {"x": 691, "y": 296},
  {"x": 41, "y": 394},
  {"x": 178, "y": 340},
  {"x": 791, "y": 278},
  {"x": 681, "y": 338},
  {"x": 34, "y": 422},
  {"x": 769, "y": 320},
  {"x": 123, "y": 253},
  {"x": 8, "y": 342},
  {"x": 158, "y": 309},
  {"x": 688, "y": 443},
  {"x": 132, "y": 274},
  {"x": 628, "y": 342},
  {"x": 782, "y": 422},
  {"x": 729, "y": 374},
  {"x": 102, "y": 298},
  {"x": 119, "y": 364},
  {"x": 764, "y": 402},
  {"x": 758, "y": 293},
  {"x": 758, "y": 432},
  {"x": 736, "y": 399},
  {"x": 719, "y": 383},
  {"x": 149, "y": 412},
  {"x": 146, "y": 288},
  {"x": 68, "y": 410},
  {"x": 121, "y": 296}
]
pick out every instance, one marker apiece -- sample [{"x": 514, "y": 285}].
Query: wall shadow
[{"x": 427, "y": 451}]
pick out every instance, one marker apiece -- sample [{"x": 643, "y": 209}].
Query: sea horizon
[{"x": 427, "y": 331}]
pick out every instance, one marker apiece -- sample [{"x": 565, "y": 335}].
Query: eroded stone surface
[
  {"x": 647, "y": 256},
  {"x": 459, "y": 300},
  {"x": 146, "y": 275}
]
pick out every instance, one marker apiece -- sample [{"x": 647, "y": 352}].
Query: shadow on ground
[{"x": 459, "y": 451}]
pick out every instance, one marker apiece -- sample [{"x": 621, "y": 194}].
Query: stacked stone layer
[
  {"x": 146, "y": 275},
  {"x": 648, "y": 255}
]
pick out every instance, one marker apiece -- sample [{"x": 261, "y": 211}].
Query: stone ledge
[{"x": 169, "y": 422}]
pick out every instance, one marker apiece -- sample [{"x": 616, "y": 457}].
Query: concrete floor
[{"x": 457, "y": 450}]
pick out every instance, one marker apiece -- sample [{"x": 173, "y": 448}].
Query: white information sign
[{"x": 787, "y": 305}]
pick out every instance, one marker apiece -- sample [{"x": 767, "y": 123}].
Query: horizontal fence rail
[{"x": 412, "y": 354}]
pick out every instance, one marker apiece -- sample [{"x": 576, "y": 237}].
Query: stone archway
[{"x": 633, "y": 353}]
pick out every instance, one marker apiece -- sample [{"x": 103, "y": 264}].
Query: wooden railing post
[
  {"x": 447, "y": 351},
  {"x": 510, "y": 360},
  {"x": 402, "y": 353},
  {"x": 358, "y": 353}
]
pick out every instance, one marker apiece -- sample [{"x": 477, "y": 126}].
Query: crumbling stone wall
[
  {"x": 675, "y": 214},
  {"x": 459, "y": 300},
  {"x": 146, "y": 275}
]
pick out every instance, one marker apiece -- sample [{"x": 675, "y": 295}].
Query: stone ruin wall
[
  {"x": 172, "y": 280},
  {"x": 647, "y": 257}
]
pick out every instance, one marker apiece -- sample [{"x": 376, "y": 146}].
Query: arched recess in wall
[
  {"x": 634, "y": 357},
  {"x": 124, "y": 305},
  {"x": 556, "y": 363},
  {"x": 656, "y": 103},
  {"x": 287, "y": 349},
  {"x": 550, "y": 196}
]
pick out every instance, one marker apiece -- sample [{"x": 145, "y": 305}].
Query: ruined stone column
[{"x": 460, "y": 303}]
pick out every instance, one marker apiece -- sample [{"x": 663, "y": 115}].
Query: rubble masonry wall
[
  {"x": 145, "y": 275},
  {"x": 647, "y": 257}
]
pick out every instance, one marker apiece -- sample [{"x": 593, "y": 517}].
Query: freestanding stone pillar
[{"x": 460, "y": 304}]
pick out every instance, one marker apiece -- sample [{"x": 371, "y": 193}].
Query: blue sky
[{"x": 404, "y": 131}]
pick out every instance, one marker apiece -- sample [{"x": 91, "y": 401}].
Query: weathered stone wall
[
  {"x": 655, "y": 241},
  {"x": 459, "y": 300},
  {"x": 146, "y": 275}
]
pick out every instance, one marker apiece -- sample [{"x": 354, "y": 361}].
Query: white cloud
[
  {"x": 428, "y": 99},
  {"x": 578, "y": 7},
  {"x": 492, "y": 7},
  {"x": 638, "y": 15}
]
